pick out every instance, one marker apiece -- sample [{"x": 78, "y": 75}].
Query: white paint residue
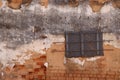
[
  {"x": 89, "y": 11},
  {"x": 114, "y": 42},
  {"x": 38, "y": 45},
  {"x": 107, "y": 8},
  {"x": 82, "y": 62},
  {"x": 65, "y": 60},
  {"x": 46, "y": 64},
  {"x": 10, "y": 56},
  {"x": 3, "y": 4},
  {"x": 78, "y": 61},
  {"x": 6, "y": 54},
  {"x": 92, "y": 58},
  {"x": 2, "y": 73}
]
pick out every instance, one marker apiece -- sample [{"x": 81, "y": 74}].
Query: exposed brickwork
[
  {"x": 57, "y": 74},
  {"x": 32, "y": 69},
  {"x": 91, "y": 70}
]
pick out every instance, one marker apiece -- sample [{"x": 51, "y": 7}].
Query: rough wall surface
[
  {"x": 35, "y": 28},
  {"x": 95, "y": 68}
]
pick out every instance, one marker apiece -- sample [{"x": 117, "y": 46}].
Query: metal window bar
[
  {"x": 82, "y": 44},
  {"x": 98, "y": 44},
  {"x": 70, "y": 51}
]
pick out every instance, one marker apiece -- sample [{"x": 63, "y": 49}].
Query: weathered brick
[
  {"x": 31, "y": 76},
  {"x": 70, "y": 75},
  {"x": 85, "y": 78},
  {"x": 77, "y": 78},
  {"x": 40, "y": 63},
  {"x": 54, "y": 78},
  {"x": 93, "y": 78},
  {"x": 61, "y": 78},
  {"x": 101, "y": 78},
  {"x": 108, "y": 78}
]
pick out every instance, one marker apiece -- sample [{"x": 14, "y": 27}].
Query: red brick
[
  {"x": 19, "y": 67},
  {"x": 36, "y": 69},
  {"x": 43, "y": 56},
  {"x": 40, "y": 63},
  {"x": 110, "y": 78},
  {"x": 70, "y": 75},
  {"x": 77, "y": 78},
  {"x": 69, "y": 78},
  {"x": 54, "y": 78},
  {"x": 41, "y": 73},
  {"x": 31, "y": 76},
  {"x": 61, "y": 78},
  {"x": 23, "y": 76},
  {"x": 85, "y": 78},
  {"x": 74, "y": 75},
  {"x": 40, "y": 76},
  {"x": 36, "y": 59},
  {"x": 94, "y": 78},
  {"x": 30, "y": 73},
  {"x": 86, "y": 72},
  {"x": 62, "y": 74},
  {"x": 101, "y": 78},
  {"x": 35, "y": 76}
]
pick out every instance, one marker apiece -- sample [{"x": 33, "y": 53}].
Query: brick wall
[
  {"x": 32, "y": 69},
  {"x": 103, "y": 68},
  {"x": 106, "y": 67},
  {"x": 58, "y": 74}
]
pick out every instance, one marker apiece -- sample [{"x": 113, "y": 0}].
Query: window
[{"x": 84, "y": 44}]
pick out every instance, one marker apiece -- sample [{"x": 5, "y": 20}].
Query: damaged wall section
[{"x": 32, "y": 31}]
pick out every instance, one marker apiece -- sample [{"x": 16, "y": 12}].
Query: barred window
[{"x": 84, "y": 44}]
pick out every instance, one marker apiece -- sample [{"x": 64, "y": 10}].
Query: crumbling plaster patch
[
  {"x": 8, "y": 57},
  {"x": 113, "y": 40},
  {"x": 58, "y": 19},
  {"x": 107, "y": 8}
]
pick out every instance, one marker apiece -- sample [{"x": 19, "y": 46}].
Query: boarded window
[{"x": 84, "y": 44}]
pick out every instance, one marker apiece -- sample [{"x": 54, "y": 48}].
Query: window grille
[{"x": 84, "y": 44}]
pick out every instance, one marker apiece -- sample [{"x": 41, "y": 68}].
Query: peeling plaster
[
  {"x": 92, "y": 58},
  {"x": 78, "y": 61},
  {"x": 52, "y": 18},
  {"x": 8, "y": 57},
  {"x": 111, "y": 36},
  {"x": 82, "y": 61},
  {"x": 107, "y": 8}
]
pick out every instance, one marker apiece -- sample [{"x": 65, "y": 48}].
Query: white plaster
[
  {"x": 46, "y": 64},
  {"x": 9, "y": 56},
  {"x": 92, "y": 58},
  {"x": 107, "y": 8},
  {"x": 114, "y": 42},
  {"x": 78, "y": 61},
  {"x": 36, "y": 6},
  {"x": 65, "y": 60},
  {"x": 89, "y": 11},
  {"x": 2, "y": 73},
  {"x": 82, "y": 62}
]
